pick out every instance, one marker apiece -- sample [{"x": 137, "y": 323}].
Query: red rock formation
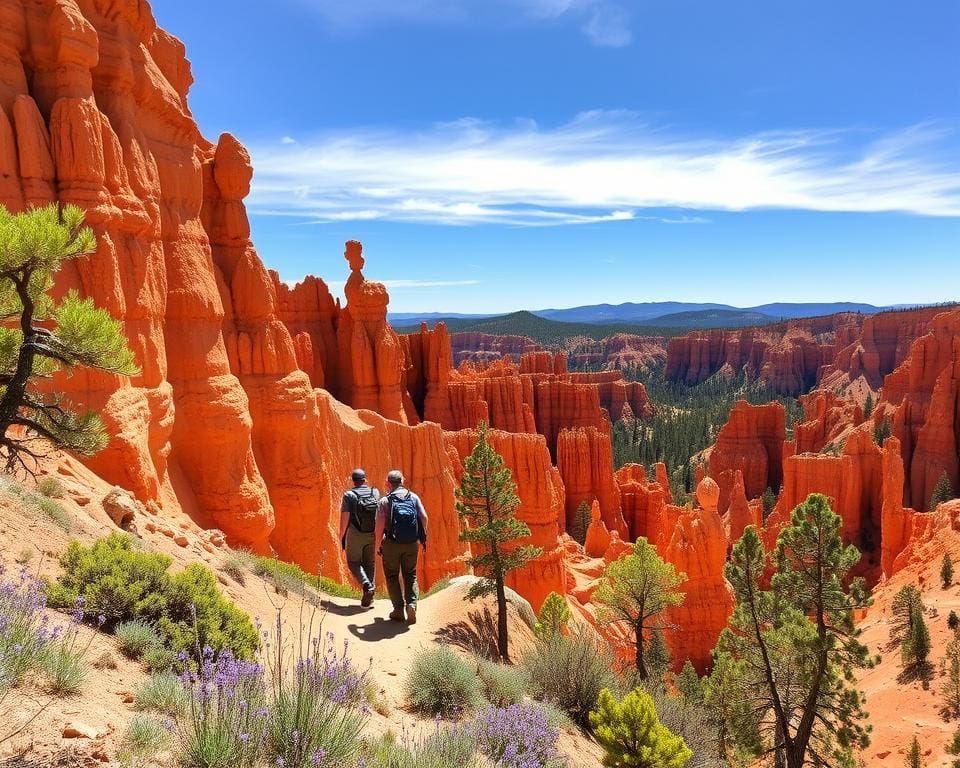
[
  {"x": 598, "y": 539},
  {"x": 585, "y": 462},
  {"x": 741, "y": 512},
  {"x": 620, "y": 351},
  {"x": 486, "y": 347},
  {"x": 697, "y": 547},
  {"x": 751, "y": 441},
  {"x": 786, "y": 356},
  {"x": 923, "y": 398},
  {"x": 643, "y": 503},
  {"x": 541, "y": 494},
  {"x": 827, "y": 419},
  {"x": 225, "y": 421}
]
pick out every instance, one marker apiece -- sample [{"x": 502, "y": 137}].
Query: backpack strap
[{"x": 354, "y": 517}]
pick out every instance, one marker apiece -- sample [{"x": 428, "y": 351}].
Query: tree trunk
[
  {"x": 641, "y": 665},
  {"x": 502, "y": 620}
]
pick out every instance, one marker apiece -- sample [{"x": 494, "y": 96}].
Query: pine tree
[
  {"x": 553, "y": 617},
  {"x": 946, "y": 570},
  {"x": 916, "y": 643},
  {"x": 44, "y": 336},
  {"x": 906, "y": 603},
  {"x": 868, "y": 406},
  {"x": 580, "y": 523},
  {"x": 942, "y": 492},
  {"x": 953, "y": 748},
  {"x": 769, "y": 501},
  {"x": 796, "y": 639},
  {"x": 689, "y": 685},
  {"x": 632, "y": 735},
  {"x": 951, "y": 688},
  {"x": 635, "y": 590},
  {"x": 882, "y": 431},
  {"x": 659, "y": 660},
  {"x": 487, "y": 503},
  {"x": 914, "y": 758}
]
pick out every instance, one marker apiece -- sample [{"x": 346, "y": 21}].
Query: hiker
[
  {"x": 358, "y": 520},
  {"x": 401, "y": 531}
]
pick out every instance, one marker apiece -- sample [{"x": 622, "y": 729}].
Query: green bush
[
  {"x": 503, "y": 685},
  {"x": 198, "y": 615},
  {"x": 237, "y": 564},
  {"x": 65, "y": 667},
  {"x": 554, "y": 616},
  {"x": 570, "y": 672},
  {"x": 442, "y": 683},
  {"x": 158, "y": 659},
  {"x": 136, "y": 637},
  {"x": 442, "y": 749},
  {"x": 124, "y": 584},
  {"x": 631, "y": 733},
  {"x": 114, "y": 580},
  {"x": 51, "y": 487},
  {"x": 290, "y": 577},
  {"x": 142, "y": 739},
  {"x": 162, "y": 692}
]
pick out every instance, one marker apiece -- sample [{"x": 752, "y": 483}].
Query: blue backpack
[{"x": 403, "y": 526}]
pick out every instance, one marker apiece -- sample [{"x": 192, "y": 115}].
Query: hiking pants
[
  {"x": 361, "y": 557},
  {"x": 401, "y": 559}
]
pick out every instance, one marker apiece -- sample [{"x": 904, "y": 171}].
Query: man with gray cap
[
  {"x": 401, "y": 531},
  {"x": 358, "y": 519}
]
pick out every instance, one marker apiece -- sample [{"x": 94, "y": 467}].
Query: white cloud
[
  {"x": 600, "y": 167},
  {"x": 604, "y": 22},
  {"x": 288, "y": 140}
]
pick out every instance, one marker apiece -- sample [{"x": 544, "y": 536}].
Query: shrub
[
  {"x": 123, "y": 584},
  {"x": 554, "y": 616},
  {"x": 142, "y": 738},
  {"x": 289, "y": 577},
  {"x": 51, "y": 487},
  {"x": 916, "y": 643},
  {"x": 946, "y": 571},
  {"x": 136, "y": 637},
  {"x": 114, "y": 579},
  {"x": 438, "y": 586},
  {"x": 65, "y": 667},
  {"x": 162, "y": 692},
  {"x": 159, "y": 659},
  {"x": 237, "y": 564},
  {"x": 198, "y": 615},
  {"x": 442, "y": 749},
  {"x": 226, "y": 722},
  {"x": 55, "y": 511},
  {"x": 442, "y": 683},
  {"x": 502, "y": 684},
  {"x": 631, "y": 733},
  {"x": 953, "y": 621},
  {"x": 24, "y": 629},
  {"x": 517, "y": 736},
  {"x": 570, "y": 672}
]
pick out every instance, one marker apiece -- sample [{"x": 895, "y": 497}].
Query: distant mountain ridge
[{"x": 661, "y": 314}]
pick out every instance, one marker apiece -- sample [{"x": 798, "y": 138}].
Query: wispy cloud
[
  {"x": 604, "y": 22},
  {"x": 600, "y": 167}
]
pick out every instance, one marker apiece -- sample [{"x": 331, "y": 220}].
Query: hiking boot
[
  {"x": 411, "y": 614},
  {"x": 367, "y": 600},
  {"x": 397, "y": 614}
]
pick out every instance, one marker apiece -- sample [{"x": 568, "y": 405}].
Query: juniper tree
[
  {"x": 942, "y": 492},
  {"x": 904, "y": 607},
  {"x": 635, "y": 590},
  {"x": 41, "y": 336},
  {"x": 796, "y": 640},
  {"x": 487, "y": 503}
]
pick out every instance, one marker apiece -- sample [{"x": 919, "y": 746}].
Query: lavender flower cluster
[
  {"x": 517, "y": 736},
  {"x": 301, "y": 709},
  {"x": 25, "y": 629}
]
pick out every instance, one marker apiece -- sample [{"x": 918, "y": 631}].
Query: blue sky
[{"x": 496, "y": 155}]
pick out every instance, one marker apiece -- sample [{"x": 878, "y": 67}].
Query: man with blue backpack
[
  {"x": 358, "y": 520},
  {"x": 401, "y": 531}
]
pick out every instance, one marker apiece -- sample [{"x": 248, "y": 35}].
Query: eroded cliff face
[{"x": 225, "y": 422}]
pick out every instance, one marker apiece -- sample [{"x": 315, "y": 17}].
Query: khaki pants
[
  {"x": 361, "y": 558},
  {"x": 401, "y": 559}
]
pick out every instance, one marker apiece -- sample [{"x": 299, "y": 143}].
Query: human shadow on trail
[
  {"x": 343, "y": 610},
  {"x": 477, "y": 633},
  {"x": 378, "y": 629}
]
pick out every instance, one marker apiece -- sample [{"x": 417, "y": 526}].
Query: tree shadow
[
  {"x": 476, "y": 634},
  {"x": 380, "y": 629},
  {"x": 917, "y": 672}
]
